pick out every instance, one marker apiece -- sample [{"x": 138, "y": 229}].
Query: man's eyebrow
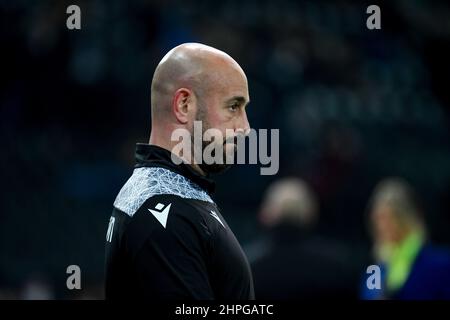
[{"x": 239, "y": 99}]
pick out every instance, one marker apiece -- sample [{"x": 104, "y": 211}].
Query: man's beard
[{"x": 214, "y": 167}]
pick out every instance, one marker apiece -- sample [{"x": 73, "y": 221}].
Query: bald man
[{"x": 166, "y": 237}]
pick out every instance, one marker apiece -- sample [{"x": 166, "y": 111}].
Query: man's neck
[
  {"x": 168, "y": 146},
  {"x": 197, "y": 168}
]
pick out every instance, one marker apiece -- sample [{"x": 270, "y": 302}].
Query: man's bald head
[
  {"x": 195, "y": 82},
  {"x": 194, "y": 66}
]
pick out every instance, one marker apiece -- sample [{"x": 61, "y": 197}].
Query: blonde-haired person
[
  {"x": 411, "y": 267},
  {"x": 292, "y": 261}
]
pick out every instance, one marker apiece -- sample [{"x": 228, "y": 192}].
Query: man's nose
[{"x": 243, "y": 125}]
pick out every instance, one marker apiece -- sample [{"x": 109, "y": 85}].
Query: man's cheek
[{"x": 230, "y": 147}]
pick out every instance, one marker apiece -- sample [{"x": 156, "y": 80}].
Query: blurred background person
[
  {"x": 292, "y": 262},
  {"x": 411, "y": 267}
]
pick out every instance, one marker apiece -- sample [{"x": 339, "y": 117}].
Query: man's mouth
[{"x": 232, "y": 140}]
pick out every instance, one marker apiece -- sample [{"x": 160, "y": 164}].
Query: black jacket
[{"x": 167, "y": 239}]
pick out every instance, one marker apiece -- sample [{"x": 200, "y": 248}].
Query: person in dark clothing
[
  {"x": 167, "y": 238},
  {"x": 292, "y": 262}
]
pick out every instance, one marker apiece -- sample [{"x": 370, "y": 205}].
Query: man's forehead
[
  {"x": 235, "y": 90},
  {"x": 242, "y": 99},
  {"x": 229, "y": 83}
]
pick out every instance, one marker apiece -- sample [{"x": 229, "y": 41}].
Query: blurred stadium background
[{"x": 353, "y": 106}]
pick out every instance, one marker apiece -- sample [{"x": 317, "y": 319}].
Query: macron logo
[
  {"x": 161, "y": 213},
  {"x": 216, "y": 217}
]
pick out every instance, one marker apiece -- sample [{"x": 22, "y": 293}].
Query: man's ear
[{"x": 182, "y": 104}]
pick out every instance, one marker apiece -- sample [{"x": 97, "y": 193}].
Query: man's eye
[{"x": 234, "y": 107}]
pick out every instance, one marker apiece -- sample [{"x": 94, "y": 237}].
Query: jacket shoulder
[{"x": 147, "y": 182}]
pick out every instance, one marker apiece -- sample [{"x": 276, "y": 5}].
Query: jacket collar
[{"x": 148, "y": 155}]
